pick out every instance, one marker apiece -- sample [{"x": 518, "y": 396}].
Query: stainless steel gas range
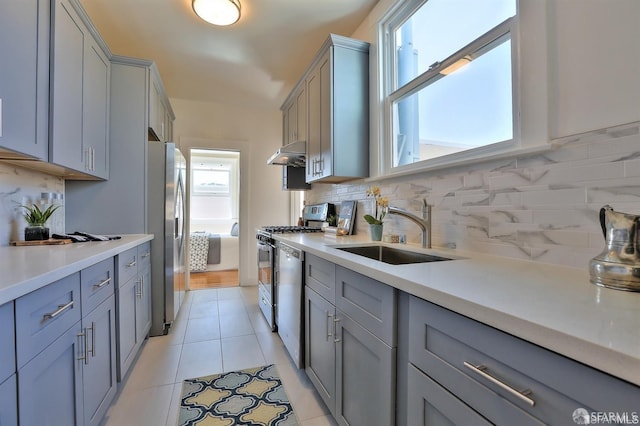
[{"x": 314, "y": 216}]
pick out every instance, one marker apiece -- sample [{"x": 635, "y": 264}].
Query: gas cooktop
[{"x": 285, "y": 229}]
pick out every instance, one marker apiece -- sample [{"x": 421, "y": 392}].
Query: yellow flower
[{"x": 382, "y": 202}]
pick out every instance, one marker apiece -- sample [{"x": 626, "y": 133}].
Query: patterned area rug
[{"x": 253, "y": 397}]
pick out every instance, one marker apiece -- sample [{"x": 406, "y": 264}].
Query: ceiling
[{"x": 255, "y": 61}]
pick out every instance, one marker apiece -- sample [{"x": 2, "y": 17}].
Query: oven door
[{"x": 265, "y": 281}]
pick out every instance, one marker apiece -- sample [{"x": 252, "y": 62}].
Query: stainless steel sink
[{"x": 392, "y": 255}]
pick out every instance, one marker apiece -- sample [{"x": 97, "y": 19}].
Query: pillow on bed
[{"x": 235, "y": 230}]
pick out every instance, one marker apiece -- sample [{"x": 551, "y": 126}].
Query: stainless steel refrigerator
[{"x": 166, "y": 220}]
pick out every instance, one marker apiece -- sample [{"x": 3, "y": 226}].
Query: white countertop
[
  {"x": 27, "y": 268},
  {"x": 552, "y": 306}
]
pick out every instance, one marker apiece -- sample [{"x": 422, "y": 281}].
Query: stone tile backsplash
[
  {"x": 23, "y": 186},
  {"x": 543, "y": 208}
]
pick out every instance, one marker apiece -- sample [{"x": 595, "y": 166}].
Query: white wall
[{"x": 256, "y": 133}]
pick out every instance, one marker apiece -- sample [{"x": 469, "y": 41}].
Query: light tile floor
[{"x": 216, "y": 331}]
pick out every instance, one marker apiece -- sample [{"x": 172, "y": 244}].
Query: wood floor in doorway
[{"x": 213, "y": 279}]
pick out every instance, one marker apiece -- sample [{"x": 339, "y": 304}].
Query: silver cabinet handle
[
  {"x": 101, "y": 284},
  {"x": 336, "y": 320},
  {"x": 93, "y": 340},
  {"x": 61, "y": 309},
  {"x": 138, "y": 288},
  {"x": 147, "y": 254},
  {"x": 132, "y": 263},
  {"x": 521, "y": 395},
  {"x": 85, "y": 352},
  {"x": 329, "y": 334}
]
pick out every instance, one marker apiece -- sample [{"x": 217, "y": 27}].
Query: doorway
[{"x": 214, "y": 218}]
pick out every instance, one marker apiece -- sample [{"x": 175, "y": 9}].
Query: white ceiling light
[{"x": 218, "y": 12}]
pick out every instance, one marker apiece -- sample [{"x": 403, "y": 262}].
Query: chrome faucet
[{"x": 424, "y": 222}]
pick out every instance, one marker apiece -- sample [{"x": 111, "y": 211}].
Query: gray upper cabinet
[
  {"x": 90, "y": 206},
  {"x": 160, "y": 113},
  {"x": 294, "y": 115},
  {"x": 337, "y": 86},
  {"x": 24, "y": 78},
  {"x": 79, "y": 94}
]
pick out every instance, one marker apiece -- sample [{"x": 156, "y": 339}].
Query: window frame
[{"x": 394, "y": 19}]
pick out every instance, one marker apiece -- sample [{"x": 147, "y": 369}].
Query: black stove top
[{"x": 285, "y": 229}]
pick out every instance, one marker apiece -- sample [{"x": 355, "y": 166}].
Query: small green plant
[
  {"x": 36, "y": 217},
  {"x": 332, "y": 220}
]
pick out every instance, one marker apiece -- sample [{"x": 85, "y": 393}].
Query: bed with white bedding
[{"x": 213, "y": 252}]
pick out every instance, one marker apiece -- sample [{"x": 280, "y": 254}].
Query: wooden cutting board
[{"x": 49, "y": 242}]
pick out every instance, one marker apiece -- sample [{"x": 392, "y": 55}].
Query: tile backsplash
[
  {"x": 24, "y": 186},
  {"x": 543, "y": 208}
]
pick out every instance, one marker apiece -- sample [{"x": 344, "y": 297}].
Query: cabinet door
[
  {"x": 291, "y": 120},
  {"x": 67, "y": 67},
  {"x": 50, "y": 385},
  {"x": 301, "y": 115},
  {"x": 313, "y": 125},
  {"x": 326, "y": 128},
  {"x": 24, "y": 76},
  {"x": 95, "y": 129},
  {"x": 143, "y": 304},
  {"x": 365, "y": 371},
  {"x": 99, "y": 370},
  {"x": 126, "y": 319},
  {"x": 9, "y": 402},
  {"x": 431, "y": 405},
  {"x": 7, "y": 342},
  {"x": 320, "y": 363},
  {"x": 156, "y": 111}
]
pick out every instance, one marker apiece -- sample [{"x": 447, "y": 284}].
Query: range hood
[{"x": 293, "y": 154}]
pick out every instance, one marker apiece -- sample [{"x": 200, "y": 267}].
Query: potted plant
[
  {"x": 380, "y": 211},
  {"x": 36, "y": 222}
]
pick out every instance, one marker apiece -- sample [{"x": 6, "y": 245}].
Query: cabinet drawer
[
  {"x": 430, "y": 404},
  {"x": 447, "y": 346},
  {"x": 144, "y": 255},
  {"x": 97, "y": 283},
  {"x": 7, "y": 342},
  {"x": 44, "y": 315},
  {"x": 370, "y": 303},
  {"x": 127, "y": 265},
  {"x": 320, "y": 275}
]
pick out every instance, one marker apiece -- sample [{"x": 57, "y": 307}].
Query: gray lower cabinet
[
  {"x": 133, "y": 305},
  {"x": 50, "y": 384},
  {"x": 99, "y": 363},
  {"x": 429, "y": 404},
  {"x": 9, "y": 401},
  {"x": 349, "y": 357},
  {"x": 8, "y": 389},
  {"x": 24, "y": 77},
  {"x": 501, "y": 378}
]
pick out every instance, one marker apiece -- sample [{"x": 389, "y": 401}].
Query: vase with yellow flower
[{"x": 375, "y": 221}]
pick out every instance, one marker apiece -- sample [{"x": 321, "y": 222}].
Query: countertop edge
[
  {"x": 99, "y": 251},
  {"x": 618, "y": 363}
]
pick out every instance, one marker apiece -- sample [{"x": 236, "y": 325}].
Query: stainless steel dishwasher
[{"x": 289, "y": 301}]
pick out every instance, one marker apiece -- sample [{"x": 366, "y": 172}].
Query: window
[{"x": 448, "y": 83}]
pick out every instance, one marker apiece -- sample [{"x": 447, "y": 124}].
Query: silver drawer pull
[
  {"x": 101, "y": 284},
  {"x": 132, "y": 263},
  {"x": 336, "y": 320},
  {"x": 521, "y": 395},
  {"x": 61, "y": 309},
  {"x": 147, "y": 254},
  {"x": 328, "y": 333}
]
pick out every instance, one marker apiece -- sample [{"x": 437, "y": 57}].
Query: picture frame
[{"x": 346, "y": 217}]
